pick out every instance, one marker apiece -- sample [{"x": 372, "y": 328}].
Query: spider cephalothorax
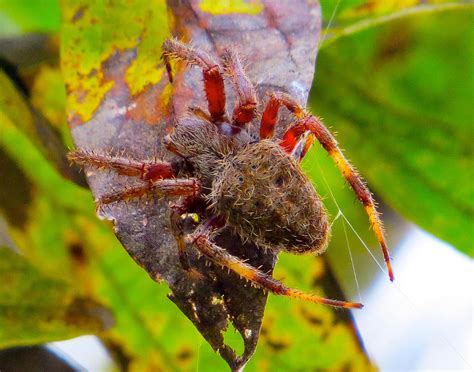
[{"x": 254, "y": 185}]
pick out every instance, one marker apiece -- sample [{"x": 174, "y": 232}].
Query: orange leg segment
[{"x": 219, "y": 256}]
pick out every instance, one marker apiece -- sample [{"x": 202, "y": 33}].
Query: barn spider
[{"x": 256, "y": 186}]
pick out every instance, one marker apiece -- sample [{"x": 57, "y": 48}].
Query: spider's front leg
[
  {"x": 213, "y": 80},
  {"x": 175, "y": 187},
  {"x": 270, "y": 114},
  {"x": 246, "y": 107},
  {"x": 201, "y": 239}
]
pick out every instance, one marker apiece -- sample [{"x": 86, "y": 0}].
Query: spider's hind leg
[
  {"x": 316, "y": 128},
  {"x": 201, "y": 239}
]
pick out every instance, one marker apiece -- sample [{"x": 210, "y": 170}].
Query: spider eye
[
  {"x": 240, "y": 179},
  {"x": 254, "y": 166}
]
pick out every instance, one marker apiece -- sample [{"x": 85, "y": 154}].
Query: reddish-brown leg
[
  {"x": 302, "y": 146},
  {"x": 213, "y": 80},
  {"x": 158, "y": 176},
  {"x": 246, "y": 107},
  {"x": 177, "y": 226},
  {"x": 294, "y": 143},
  {"x": 148, "y": 170},
  {"x": 174, "y": 187},
  {"x": 201, "y": 239},
  {"x": 326, "y": 139},
  {"x": 270, "y": 114}
]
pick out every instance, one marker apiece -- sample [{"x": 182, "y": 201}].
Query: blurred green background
[{"x": 393, "y": 79}]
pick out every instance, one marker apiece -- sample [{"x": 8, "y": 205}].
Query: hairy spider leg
[
  {"x": 201, "y": 239},
  {"x": 158, "y": 176},
  {"x": 213, "y": 80},
  {"x": 174, "y": 187},
  {"x": 200, "y": 113},
  {"x": 329, "y": 143},
  {"x": 179, "y": 208},
  {"x": 246, "y": 107},
  {"x": 302, "y": 146},
  {"x": 148, "y": 170},
  {"x": 270, "y": 114},
  {"x": 291, "y": 139}
]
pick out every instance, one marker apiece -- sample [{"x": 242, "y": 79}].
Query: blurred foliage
[
  {"x": 398, "y": 96},
  {"x": 346, "y": 17},
  {"x": 404, "y": 117},
  {"x": 24, "y": 16},
  {"x": 15, "y": 105},
  {"x": 80, "y": 250},
  {"x": 35, "y": 308}
]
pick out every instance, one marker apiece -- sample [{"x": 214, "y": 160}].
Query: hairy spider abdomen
[{"x": 264, "y": 194}]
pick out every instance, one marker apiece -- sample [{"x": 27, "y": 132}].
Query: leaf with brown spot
[{"x": 35, "y": 308}]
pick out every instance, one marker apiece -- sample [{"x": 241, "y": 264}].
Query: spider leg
[
  {"x": 200, "y": 113},
  {"x": 316, "y": 127},
  {"x": 174, "y": 187},
  {"x": 177, "y": 227},
  {"x": 270, "y": 118},
  {"x": 213, "y": 80},
  {"x": 201, "y": 239},
  {"x": 270, "y": 114},
  {"x": 302, "y": 146},
  {"x": 149, "y": 170},
  {"x": 246, "y": 108}
]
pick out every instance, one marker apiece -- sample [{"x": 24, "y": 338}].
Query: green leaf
[
  {"x": 35, "y": 308},
  {"x": 54, "y": 225},
  {"x": 29, "y": 16},
  {"x": 345, "y": 18},
  {"x": 403, "y": 116},
  {"x": 299, "y": 335},
  {"x": 17, "y": 110},
  {"x": 48, "y": 96},
  {"x": 93, "y": 32}
]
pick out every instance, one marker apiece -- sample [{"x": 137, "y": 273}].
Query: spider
[{"x": 254, "y": 185}]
